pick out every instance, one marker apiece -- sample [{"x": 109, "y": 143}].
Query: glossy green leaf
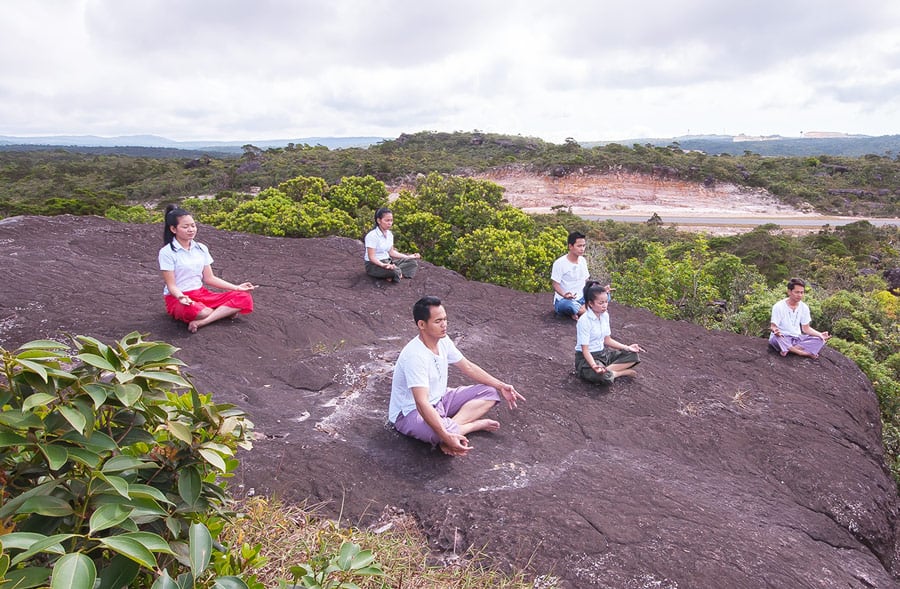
[
  {"x": 73, "y": 571},
  {"x": 4, "y": 563},
  {"x": 57, "y": 456},
  {"x": 189, "y": 485},
  {"x": 128, "y": 394},
  {"x": 120, "y": 573},
  {"x": 27, "y": 578},
  {"x": 47, "y": 505},
  {"x": 74, "y": 417},
  {"x": 124, "y": 377},
  {"x": 180, "y": 431},
  {"x": 130, "y": 548},
  {"x": 150, "y": 541},
  {"x": 229, "y": 583},
  {"x": 164, "y": 377},
  {"x": 11, "y": 506},
  {"x": 96, "y": 361},
  {"x": 212, "y": 458},
  {"x": 121, "y": 463},
  {"x": 108, "y": 516},
  {"x": 50, "y": 544},
  {"x": 85, "y": 457},
  {"x": 11, "y": 439},
  {"x": 43, "y": 354},
  {"x": 36, "y": 400},
  {"x": 34, "y": 367},
  {"x": 98, "y": 393},
  {"x": 18, "y": 420},
  {"x": 47, "y": 344},
  {"x": 24, "y": 541},
  {"x": 118, "y": 484},
  {"x": 164, "y": 581},
  {"x": 148, "y": 492},
  {"x": 200, "y": 548},
  {"x": 155, "y": 353}
]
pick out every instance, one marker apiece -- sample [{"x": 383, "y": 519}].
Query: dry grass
[
  {"x": 741, "y": 398},
  {"x": 295, "y": 534}
]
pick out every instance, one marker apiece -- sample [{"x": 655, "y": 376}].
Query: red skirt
[{"x": 236, "y": 299}]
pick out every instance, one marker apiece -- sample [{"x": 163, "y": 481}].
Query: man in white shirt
[
  {"x": 790, "y": 324},
  {"x": 569, "y": 274},
  {"x": 422, "y": 407}
]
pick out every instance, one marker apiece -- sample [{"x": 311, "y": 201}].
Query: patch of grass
[
  {"x": 741, "y": 398},
  {"x": 294, "y": 534}
]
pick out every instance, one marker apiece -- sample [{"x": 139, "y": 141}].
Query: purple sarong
[
  {"x": 412, "y": 424},
  {"x": 808, "y": 343}
]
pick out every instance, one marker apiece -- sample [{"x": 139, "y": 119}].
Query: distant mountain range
[
  {"x": 161, "y": 142},
  {"x": 810, "y": 144}
]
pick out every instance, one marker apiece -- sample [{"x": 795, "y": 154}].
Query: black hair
[
  {"x": 575, "y": 236},
  {"x": 173, "y": 214},
  {"x": 382, "y": 212},
  {"x": 795, "y": 282},
  {"x": 593, "y": 289},
  {"x": 422, "y": 308}
]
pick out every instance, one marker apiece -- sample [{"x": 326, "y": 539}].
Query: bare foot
[
  {"x": 626, "y": 372},
  {"x": 193, "y": 326},
  {"x": 480, "y": 425}
]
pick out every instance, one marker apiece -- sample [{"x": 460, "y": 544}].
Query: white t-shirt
[
  {"x": 591, "y": 330},
  {"x": 417, "y": 366},
  {"x": 382, "y": 243},
  {"x": 187, "y": 264},
  {"x": 571, "y": 276},
  {"x": 789, "y": 321}
]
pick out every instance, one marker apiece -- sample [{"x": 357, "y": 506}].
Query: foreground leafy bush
[{"x": 110, "y": 467}]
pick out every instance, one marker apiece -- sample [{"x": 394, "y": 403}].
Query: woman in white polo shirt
[
  {"x": 382, "y": 259},
  {"x": 186, "y": 267}
]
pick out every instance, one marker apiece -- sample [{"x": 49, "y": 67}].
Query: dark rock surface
[{"x": 708, "y": 470}]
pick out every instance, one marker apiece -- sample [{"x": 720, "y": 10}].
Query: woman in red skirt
[{"x": 185, "y": 266}]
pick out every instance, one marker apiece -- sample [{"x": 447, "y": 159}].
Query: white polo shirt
[{"x": 187, "y": 264}]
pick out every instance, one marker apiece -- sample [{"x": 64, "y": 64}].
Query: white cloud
[{"x": 237, "y": 70}]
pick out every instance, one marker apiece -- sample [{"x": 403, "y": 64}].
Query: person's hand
[
  {"x": 635, "y": 348},
  {"x": 599, "y": 368},
  {"x": 414, "y": 256},
  {"x": 776, "y": 332},
  {"x": 245, "y": 286},
  {"x": 825, "y": 336},
  {"x": 569, "y": 295},
  {"x": 455, "y": 445},
  {"x": 509, "y": 392},
  {"x": 185, "y": 300}
]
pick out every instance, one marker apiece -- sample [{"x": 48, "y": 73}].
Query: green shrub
[{"x": 110, "y": 464}]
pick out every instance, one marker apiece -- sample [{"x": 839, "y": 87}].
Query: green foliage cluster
[
  {"x": 110, "y": 467},
  {"x": 59, "y": 181}
]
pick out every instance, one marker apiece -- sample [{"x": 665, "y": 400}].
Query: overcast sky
[{"x": 587, "y": 69}]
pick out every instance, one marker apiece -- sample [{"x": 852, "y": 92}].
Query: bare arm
[
  {"x": 559, "y": 290},
  {"x": 808, "y": 330},
  {"x": 216, "y": 282},
  {"x": 169, "y": 279},
  {"x": 615, "y": 345},
  {"x": 370, "y": 251},
  {"x": 395, "y": 254},
  {"x": 586, "y": 352},
  {"x": 481, "y": 376}
]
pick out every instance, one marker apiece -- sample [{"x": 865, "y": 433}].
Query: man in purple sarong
[{"x": 791, "y": 331}]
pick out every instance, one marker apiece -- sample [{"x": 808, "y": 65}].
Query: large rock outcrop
[{"x": 721, "y": 465}]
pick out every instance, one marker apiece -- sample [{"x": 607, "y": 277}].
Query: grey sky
[{"x": 270, "y": 69}]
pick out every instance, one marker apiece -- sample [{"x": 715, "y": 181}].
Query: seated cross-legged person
[
  {"x": 599, "y": 358},
  {"x": 790, "y": 324}
]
